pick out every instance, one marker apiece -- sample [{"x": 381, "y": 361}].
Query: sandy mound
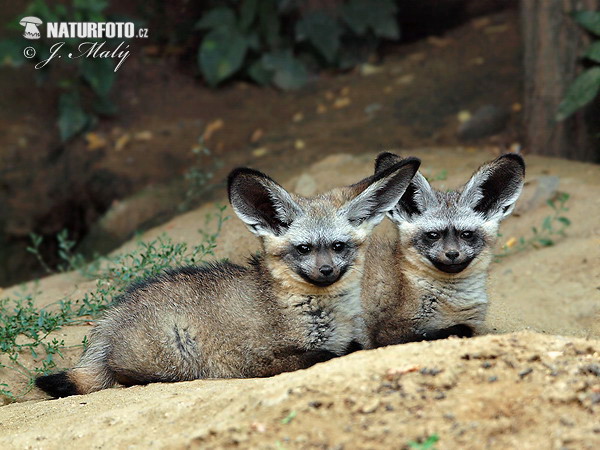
[
  {"x": 483, "y": 395},
  {"x": 521, "y": 390}
]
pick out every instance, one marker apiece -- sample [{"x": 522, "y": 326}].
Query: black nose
[
  {"x": 452, "y": 254},
  {"x": 326, "y": 270}
]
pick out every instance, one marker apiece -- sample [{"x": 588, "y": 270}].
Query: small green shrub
[
  {"x": 427, "y": 444},
  {"x": 586, "y": 86},
  {"x": 553, "y": 226},
  {"x": 69, "y": 260},
  {"x": 25, "y": 328},
  {"x": 276, "y": 41},
  {"x": 34, "y": 249}
]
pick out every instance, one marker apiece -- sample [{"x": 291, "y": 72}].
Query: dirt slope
[
  {"x": 351, "y": 402},
  {"x": 519, "y": 390}
]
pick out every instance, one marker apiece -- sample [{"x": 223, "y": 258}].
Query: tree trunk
[{"x": 553, "y": 44}]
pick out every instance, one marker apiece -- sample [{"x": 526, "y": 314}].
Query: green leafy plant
[
  {"x": 250, "y": 39},
  {"x": 291, "y": 416},
  {"x": 34, "y": 249},
  {"x": 552, "y": 227},
  {"x": 69, "y": 260},
  {"x": 77, "y": 109},
  {"x": 24, "y": 328},
  {"x": 586, "y": 86},
  {"x": 72, "y": 261},
  {"x": 427, "y": 444}
]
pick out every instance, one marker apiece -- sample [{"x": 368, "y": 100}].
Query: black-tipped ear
[
  {"x": 379, "y": 193},
  {"x": 494, "y": 189},
  {"x": 418, "y": 195},
  {"x": 262, "y": 204},
  {"x": 386, "y": 160}
]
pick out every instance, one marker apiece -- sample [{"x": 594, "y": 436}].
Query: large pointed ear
[
  {"x": 386, "y": 160},
  {"x": 379, "y": 193},
  {"x": 495, "y": 187},
  {"x": 419, "y": 194},
  {"x": 262, "y": 204}
]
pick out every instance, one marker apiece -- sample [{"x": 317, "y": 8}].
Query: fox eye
[
  {"x": 466, "y": 234},
  {"x": 303, "y": 249},
  {"x": 433, "y": 235},
  {"x": 338, "y": 247}
]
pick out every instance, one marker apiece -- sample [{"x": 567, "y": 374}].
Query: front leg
[
  {"x": 295, "y": 360},
  {"x": 354, "y": 346}
]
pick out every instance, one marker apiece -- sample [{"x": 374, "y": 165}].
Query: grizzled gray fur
[
  {"x": 295, "y": 304},
  {"x": 431, "y": 281}
]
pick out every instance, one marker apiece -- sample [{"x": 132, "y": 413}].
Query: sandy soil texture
[{"x": 522, "y": 390}]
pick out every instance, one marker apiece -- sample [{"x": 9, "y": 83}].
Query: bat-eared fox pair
[{"x": 320, "y": 288}]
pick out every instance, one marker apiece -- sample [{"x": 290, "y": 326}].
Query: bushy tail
[
  {"x": 91, "y": 374},
  {"x": 57, "y": 384}
]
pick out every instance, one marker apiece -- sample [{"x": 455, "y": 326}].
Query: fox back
[
  {"x": 295, "y": 304},
  {"x": 440, "y": 260}
]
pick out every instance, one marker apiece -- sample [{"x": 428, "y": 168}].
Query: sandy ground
[
  {"x": 471, "y": 393},
  {"x": 522, "y": 390}
]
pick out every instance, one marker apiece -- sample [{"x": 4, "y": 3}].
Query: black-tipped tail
[{"x": 56, "y": 384}]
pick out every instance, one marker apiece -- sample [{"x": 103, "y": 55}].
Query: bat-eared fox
[
  {"x": 430, "y": 283},
  {"x": 295, "y": 304}
]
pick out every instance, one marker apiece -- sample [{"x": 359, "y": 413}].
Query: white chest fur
[
  {"x": 443, "y": 303},
  {"x": 461, "y": 292},
  {"x": 330, "y": 322}
]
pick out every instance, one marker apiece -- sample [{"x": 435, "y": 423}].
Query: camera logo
[{"x": 31, "y": 25}]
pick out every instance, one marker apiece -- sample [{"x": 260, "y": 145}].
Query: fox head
[
  {"x": 453, "y": 233},
  {"x": 312, "y": 243}
]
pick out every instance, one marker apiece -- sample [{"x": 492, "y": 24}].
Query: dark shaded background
[{"x": 454, "y": 57}]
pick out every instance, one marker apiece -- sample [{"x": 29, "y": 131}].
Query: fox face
[
  {"x": 315, "y": 243},
  {"x": 431, "y": 282},
  {"x": 451, "y": 249},
  {"x": 454, "y": 232},
  {"x": 323, "y": 257}
]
